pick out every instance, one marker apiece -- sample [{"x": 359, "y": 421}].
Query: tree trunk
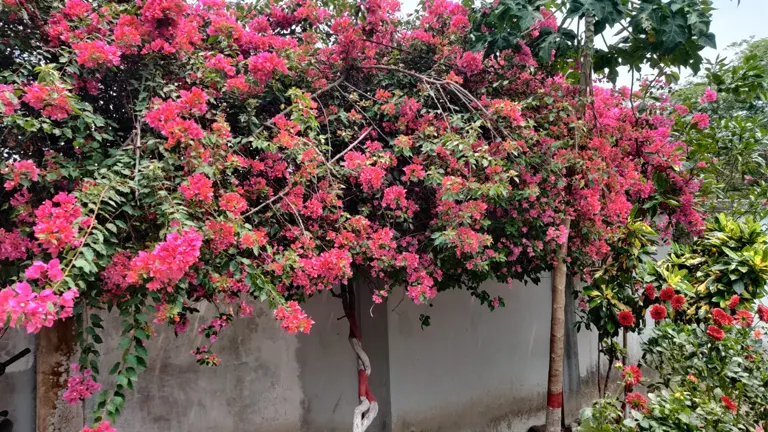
[
  {"x": 560, "y": 271},
  {"x": 366, "y": 411},
  {"x": 556, "y": 346}
]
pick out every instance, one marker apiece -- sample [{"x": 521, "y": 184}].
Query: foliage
[
  {"x": 730, "y": 259},
  {"x": 610, "y": 301},
  {"x": 661, "y": 34},
  {"x": 704, "y": 384},
  {"x": 729, "y": 156},
  {"x": 165, "y": 154},
  {"x": 709, "y": 356}
]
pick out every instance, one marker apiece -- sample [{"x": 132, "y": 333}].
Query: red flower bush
[
  {"x": 716, "y": 333},
  {"x": 636, "y": 401},
  {"x": 626, "y": 318},
  {"x": 658, "y": 312},
  {"x": 721, "y": 318},
  {"x": 631, "y": 375},
  {"x": 667, "y": 293},
  {"x": 677, "y": 302},
  {"x": 729, "y": 404}
]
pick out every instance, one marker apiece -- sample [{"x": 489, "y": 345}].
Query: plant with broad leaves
[{"x": 730, "y": 259}]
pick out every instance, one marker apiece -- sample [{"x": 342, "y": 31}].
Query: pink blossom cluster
[
  {"x": 55, "y": 224},
  {"x": 321, "y": 272},
  {"x": 233, "y": 203},
  {"x": 548, "y": 20},
  {"x": 20, "y": 305},
  {"x": 263, "y": 66},
  {"x": 39, "y": 270},
  {"x": 94, "y": 54},
  {"x": 708, "y": 96},
  {"x": 115, "y": 275},
  {"x": 168, "y": 262},
  {"x": 700, "y": 120},
  {"x": 102, "y": 426},
  {"x": 80, "y": 386},
  {"x": 13, "y": 245},
  {"x": 198, "y": 186},
  {"x": 52, "y": 99},
  {"x": 167, "y": 117},
  {"x": 23, "y": 169},
  {"x": 8, "y": 101},
  {"x": 293, "y": 318}
]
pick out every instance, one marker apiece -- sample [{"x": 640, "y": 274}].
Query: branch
[
  {"x": 312, "y": 96},
  {"x": 270, "y": 201},
  {"x": 288, "y": 188},
  {"x": 462, "y": 93},
  {"x": 351, "y": 146}
]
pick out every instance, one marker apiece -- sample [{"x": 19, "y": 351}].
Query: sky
[{"x": 731, "y": 23}]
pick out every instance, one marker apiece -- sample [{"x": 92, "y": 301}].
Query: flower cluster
[
  {"x": 169, "y": 261},
  {"x": 102, "y": 426},
  {"x": 24, "y": 170},
  {"x": 52, "y": 99},
  {"x": 40, "y": 270},
  {"x": 293, "y": 318},
  {"x": 94, "y": 54},
  {"x": 20, "y": 305},
  {"x": 55, "y": 228},
  {"x": 80, "y": 386},
  {"x": 198, "y": 186}
]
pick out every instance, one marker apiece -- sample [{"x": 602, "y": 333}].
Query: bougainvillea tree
[{"x": 161, "y": 154}]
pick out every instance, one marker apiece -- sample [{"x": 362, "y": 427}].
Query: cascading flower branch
[{"x": 275, "y": 152}]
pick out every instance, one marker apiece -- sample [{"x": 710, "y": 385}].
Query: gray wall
[
  {"x": 17, "y": 386},
  {"x": 472, "y": 370}
]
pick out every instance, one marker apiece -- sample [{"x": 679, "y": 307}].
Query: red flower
[
  {"x": 658, "y": 312},
  {"x": 716, "y": 333},
  {"x": 636, "y": 401},
  {"x": 744, "y": 318},
  {"x": 631, "y": 375},
  {"x": 626, "y": 318},
  {"x": 677, "y": 302},
  {"x": 650, "y": 291},
  {"x": 733, "y": 302},
  {"x": 731, "y": 405},
  {"x": 762, "y": 312},
  {"x": 667, "y": 293},
  {"x": 721, "y": 318}
]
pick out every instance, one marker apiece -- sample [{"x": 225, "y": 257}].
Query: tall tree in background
[
  {"x": 665, "y": 35},
  {"x": 730, "y": 156}
]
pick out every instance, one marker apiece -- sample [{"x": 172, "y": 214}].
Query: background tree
[{"x": 730, "y": 155}]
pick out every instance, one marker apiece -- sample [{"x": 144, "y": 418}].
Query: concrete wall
[
  {"x": 17, "y": 386},
  {"x": 475, "y": 370},
  {"x": 472, "y": 370}
]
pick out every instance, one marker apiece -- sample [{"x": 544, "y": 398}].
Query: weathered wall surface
[
  {"x": 472, "y": 370},
  {"x": 475, "y": 370},
  {"x": 17, "y": 386}
]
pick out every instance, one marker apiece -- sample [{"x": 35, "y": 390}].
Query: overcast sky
[{"x": 730, "y": 23}]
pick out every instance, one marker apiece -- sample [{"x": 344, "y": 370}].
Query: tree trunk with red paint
[
  {"x": 554, "y": 417},
  {"x": 556, "y": 343},
  {"x": 367, "y": 409}
]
